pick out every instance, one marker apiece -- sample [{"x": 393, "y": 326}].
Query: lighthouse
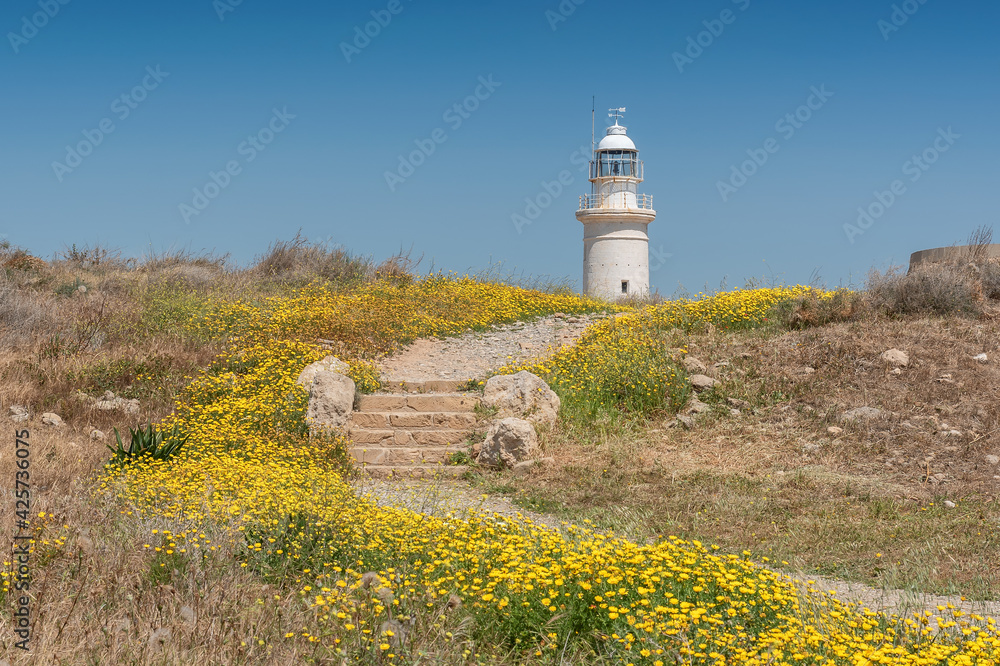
[{"x": 615, "y": 217}]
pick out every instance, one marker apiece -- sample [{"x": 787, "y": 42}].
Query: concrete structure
[
  {"x": 615, "y": 217},
  {"x": 953, "y": 254}
]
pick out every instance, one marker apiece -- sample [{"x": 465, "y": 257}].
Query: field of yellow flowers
[{"x": 370, "y": 573}]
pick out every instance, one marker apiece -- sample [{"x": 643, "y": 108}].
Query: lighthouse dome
[{"x": 616, "y": 139}]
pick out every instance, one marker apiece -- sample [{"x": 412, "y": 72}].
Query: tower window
[{"x": 624, "y": 286}]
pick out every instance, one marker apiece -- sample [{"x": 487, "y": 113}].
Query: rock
[
  {"x": 696, "y": 406},
  {"x": 982, "y": 358},
  {"x": 950, "y": 433},
  {"x": 524, "y": 467},
  {"x": 328, "y": 364},
  {"x": 993, "y": 460},
  {"x": 949, "y": 504},
  {"x": 702, "y": 382},
  {"x": 331, "y": 399},
  {"x": 681, "y": 421},
  {"x": 97, "y": 435},
  {"x": 51, "y": 419},
  {"x": 738, "y": 404},
  {"x": 693, "y": 365},
  {"x": 735, "y": 412},
  {"x": 18, "y": 413},
  {"x": 862, "y": 414},
  {"x": 114, "y": 403},
  {"x": 523, "y": 395},
  {"x": 896, "y": 371},
  {"x": 508, "y": 442},
  {"x": 834, "y": 430},
  {"x": 896, "y": 358}
]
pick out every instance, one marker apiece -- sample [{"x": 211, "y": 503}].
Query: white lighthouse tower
[{"x": 615, "y": 217}]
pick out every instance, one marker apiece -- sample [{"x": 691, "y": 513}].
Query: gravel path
[{"x": 474, "y": 355}]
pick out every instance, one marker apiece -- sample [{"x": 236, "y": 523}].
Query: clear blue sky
[{"x": 220, "y": 81}]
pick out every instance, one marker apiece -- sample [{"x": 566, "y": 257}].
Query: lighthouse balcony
[{"x": 616, "y": 200}]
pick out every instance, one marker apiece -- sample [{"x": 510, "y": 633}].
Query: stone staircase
[{"x": 414, "y": 430}]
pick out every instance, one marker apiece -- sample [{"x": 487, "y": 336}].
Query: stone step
[
  {"x": 426, "y": 386},
  {"x": 406, "y": 437},
  {"x": 419, "y": 402},
  {"x": 403, "y": 456},
  {"x": 412, "y": 420},
  {"x": 412, "y": 472}
]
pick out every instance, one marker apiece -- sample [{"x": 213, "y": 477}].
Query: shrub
[
  {"x": 299, "y": 262},
  {"x": 940, "y": 289},
  {"x": 811, "y": 309}
]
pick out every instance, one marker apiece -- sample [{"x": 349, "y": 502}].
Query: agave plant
[{"x": 148, "y": 441}]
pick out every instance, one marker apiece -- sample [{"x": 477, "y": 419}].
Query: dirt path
[{"x": 474, "y": 355}]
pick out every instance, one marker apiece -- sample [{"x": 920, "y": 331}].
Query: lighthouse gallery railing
[{"x": 642, "y": 201}]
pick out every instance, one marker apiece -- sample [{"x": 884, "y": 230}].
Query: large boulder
[
  {"x": 331, "y": 400},
  {"x": 522, "y": 396},
  {"x": 328, "y": 364},
  {"x": 508, "y": 442}
]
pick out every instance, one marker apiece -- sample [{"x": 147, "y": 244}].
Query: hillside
[{"x": 250, "y": 545}]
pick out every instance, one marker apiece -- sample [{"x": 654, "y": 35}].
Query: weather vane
[{"x": 616, "y": 113}]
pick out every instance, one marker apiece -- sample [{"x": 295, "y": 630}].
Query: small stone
[
  {"x": 735, "y": 412},
  {"x": 703, "y": 382},
  {"x": 862, "y": 414},
  {"x": 693, "y": 365},
  {"x": 696, "y": 406},
  {"x": 982, "y": 358},
  {"x": 896, "y": 372},
  {"x": 993, "y": 460},
  {"x": 834, "y": 430},
  {"x": 97, "y": 435},
  {"x": 681, "y": 421},
  {"x": 949, "y": 504},
  {"x": 737, "y": 403},
  {"x": 896, "y": 358},
  {"x": 51, "y": 419}
]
